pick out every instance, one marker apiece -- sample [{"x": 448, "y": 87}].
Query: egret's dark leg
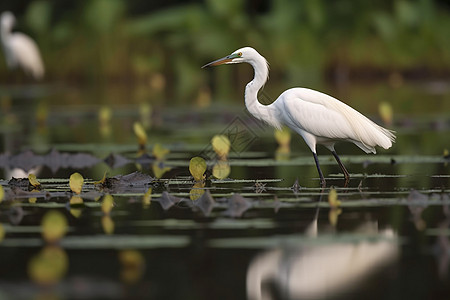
[
  {"x": 322, "y": 179},
  {"x": 343, "y": 169}
]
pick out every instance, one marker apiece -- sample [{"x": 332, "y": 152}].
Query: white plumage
[
  {"x": 317, "y": 117},
  {"x": 19, "y": 49}
]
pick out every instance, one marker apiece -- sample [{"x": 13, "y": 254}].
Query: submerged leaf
[
  {"x": 333, "y": 199},
  {"x": 197, "y": 190},
  {"x": 104, "y": 115},
  {"x": 2, "y": 232},
  {"x": 2, "y": 193},
  {"x": 197, "y": 167},
  {"x": 159, "y": 151},
  {"x": 221, "y": 145},
  {"x": 53, "y": 226},
  {"x": 147, "y": 198},
  {"x": 283, "y": 136},
  {"x": 333, "y": 216},
  {"x": 107, "y": 224},
  {"x": 76, "y": 203},
  {"x": 49, "y": 266},
  {"x": 33, "y": 181},
  {"x": 446, "y": 154},
  {"x": 159, "y": 169},
  {"x": 76, "y": 182},
  {"x": 221, "y": 169},
  {"x": 107, "y": 204},
  {"x": 133, "y": 266}
]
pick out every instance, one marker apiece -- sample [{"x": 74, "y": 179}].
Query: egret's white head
[
  {"x": 7, "y": 20},
  {"x": 246, "y": 54}
]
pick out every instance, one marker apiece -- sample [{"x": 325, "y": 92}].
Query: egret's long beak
[{"x": 218, "y": 62}]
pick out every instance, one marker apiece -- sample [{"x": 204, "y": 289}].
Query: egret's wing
[
  {"x": 325, "y": 116},
  {"x": 317, "y": 119},
  {"x": 27, "y": 54}
]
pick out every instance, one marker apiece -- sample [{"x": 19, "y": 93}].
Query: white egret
[
  {"x": 19, "y": 49},
  {"x": 317, "y": 117}
]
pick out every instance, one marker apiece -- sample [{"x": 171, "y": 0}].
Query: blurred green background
[{"x": 164, "y": 43}]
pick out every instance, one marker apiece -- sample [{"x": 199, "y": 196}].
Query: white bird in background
[
  {"x": 317, "y": 117},
  {"x": 20, "y": 50}
]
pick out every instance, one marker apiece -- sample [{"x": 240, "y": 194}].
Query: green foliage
[{"x": 102, "y": 39}]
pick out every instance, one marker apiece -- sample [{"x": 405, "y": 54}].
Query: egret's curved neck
[{"x": 258, "y": 110}]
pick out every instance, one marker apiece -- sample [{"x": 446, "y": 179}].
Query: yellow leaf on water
[
  {"x": 159, "y": 151},
  {"x": 107, "y": 204},
  {"x": 33, "y": 181},
  {"x": 283, "y": 136},
  {"x": 197, "y": 190},
  {"x": 49, "y": 266},
  {"x": 2, "y": 232},
  {"x": 333, "y": 199},
  {"x": 76, "y": 182},
  {"x": 53, "y": 226},
  {"x": 221, "y": 145},
  {"x": 140, "y": 133},
  {"x": 147, "y": 198},
  {"x": 107, "y": 224},
  {"x": 2, "y": 193},
  {"x": 197, "y": 167},
  {"x": 221, "y": 169}
]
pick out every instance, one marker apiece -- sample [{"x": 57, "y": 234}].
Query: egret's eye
[{"x": 240, "y": 54}]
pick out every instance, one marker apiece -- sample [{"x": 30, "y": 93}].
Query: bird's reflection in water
[{"x": 322, "y": 267}]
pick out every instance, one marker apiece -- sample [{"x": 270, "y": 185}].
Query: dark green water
[{"x": 389, "y": 240}]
